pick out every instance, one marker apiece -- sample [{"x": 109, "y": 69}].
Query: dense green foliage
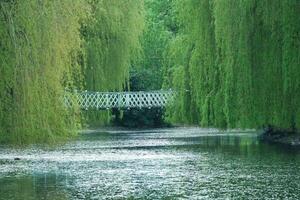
[
  {"x": 112, "y": 43},
  {"x": 236, "y": 63},
  {"x": 47, "y": 46},
  {"x": 40, "y": 41},
  {"x": 147, "y": 73},
  {"x": 159, "y": 29}
]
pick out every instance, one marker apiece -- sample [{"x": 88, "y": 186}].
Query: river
[{"x": 176, "y": 163}]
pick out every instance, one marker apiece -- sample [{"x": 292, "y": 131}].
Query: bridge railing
[{"x": 107, "y": 100}]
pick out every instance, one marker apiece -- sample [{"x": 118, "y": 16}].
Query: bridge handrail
[
  {"x": 125, "y": 99},
  {"x": 119, "y": 92}
]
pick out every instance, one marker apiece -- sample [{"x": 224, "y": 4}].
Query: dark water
[{"x": 160, "y": 164}]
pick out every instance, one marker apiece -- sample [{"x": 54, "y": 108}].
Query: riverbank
[
  {"x": 119, "y": 129},
  {"x": 277, "y": 136}
]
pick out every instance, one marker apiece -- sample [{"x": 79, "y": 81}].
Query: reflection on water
[
  {"x": 186, "y": 163},
  {"x": 35, "y": 186}
]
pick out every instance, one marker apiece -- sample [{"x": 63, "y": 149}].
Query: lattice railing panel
[{"x": 107, "y": 100}]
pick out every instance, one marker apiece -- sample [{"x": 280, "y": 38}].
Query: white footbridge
[{"x": 123, "y": 100}]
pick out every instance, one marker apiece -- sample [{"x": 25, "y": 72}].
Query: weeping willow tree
[
  {"x": 236, "y": 64},
  {"x": 39, "y": 46},
  {"x": 112, "y": 43}
]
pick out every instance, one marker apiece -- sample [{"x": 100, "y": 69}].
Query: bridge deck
[{"x": 106, "y": 100}]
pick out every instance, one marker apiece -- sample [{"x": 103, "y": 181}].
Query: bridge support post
[
  {"x": 127, "y": 99},
  {"x": 107, "y": 101},
  {"x": 119, "y": 101}
]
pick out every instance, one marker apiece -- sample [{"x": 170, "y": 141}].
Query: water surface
[{"x": 179, "y": 163}]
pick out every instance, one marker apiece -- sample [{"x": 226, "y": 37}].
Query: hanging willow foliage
[
  {"x": 241, "y": 65},
  {"x": 39, "y": 45},
  {"x": 112, "y": 42}
]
